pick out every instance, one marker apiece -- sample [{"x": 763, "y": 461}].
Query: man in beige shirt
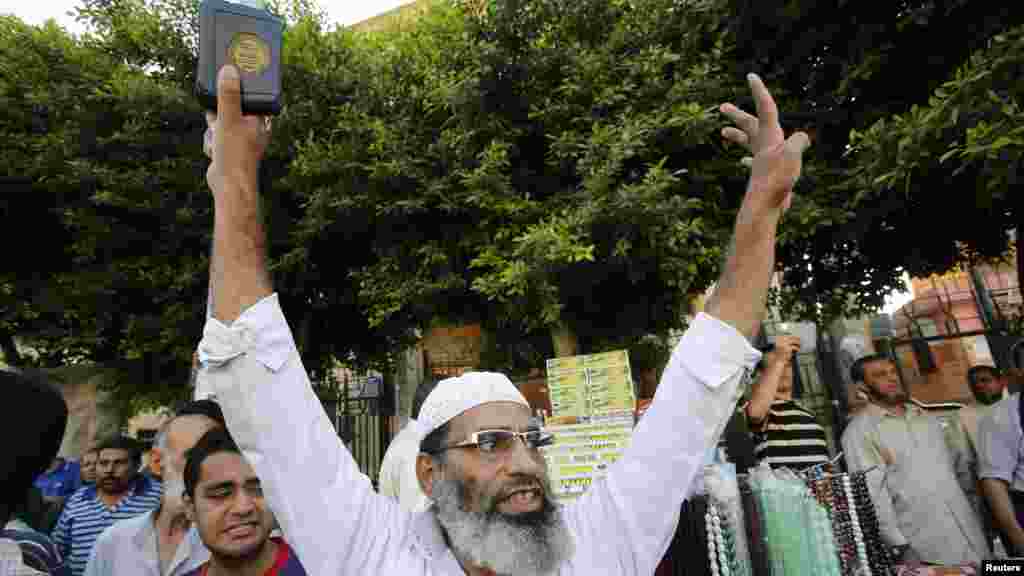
[{"x": 923, "y": 511}]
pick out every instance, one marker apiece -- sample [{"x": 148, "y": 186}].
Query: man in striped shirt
[
  {"x": 785, "y": 434},
  {"x": 120, "y": 493}
]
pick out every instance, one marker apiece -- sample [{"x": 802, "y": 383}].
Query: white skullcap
[{"x": 453, "y": 396}]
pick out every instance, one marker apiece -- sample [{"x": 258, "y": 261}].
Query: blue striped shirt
[{"x": 85, "y": 517}]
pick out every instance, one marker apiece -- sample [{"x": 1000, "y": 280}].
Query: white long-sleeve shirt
[
  {"x": 129, "y": 548},
  {"x": 339, "y": 526}
]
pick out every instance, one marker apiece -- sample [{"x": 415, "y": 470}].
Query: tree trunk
[{"x": 564, "y": 341}]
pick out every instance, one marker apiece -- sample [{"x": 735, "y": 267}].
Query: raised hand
[
  {"x": 234, "y": 142},
  {"x": 782, "y": 354},
  {"x": 776, "y": 161}
]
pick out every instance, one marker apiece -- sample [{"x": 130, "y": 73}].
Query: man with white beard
[
  {"x": 505, "y": 522},
  {"x": 161, "y": 542},
  {"x": 481, "y": 463}
]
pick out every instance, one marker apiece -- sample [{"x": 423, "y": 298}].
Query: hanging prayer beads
[
  {"x": 712, "y": 549},
  {"x": 878, "y": 554},
  {"x": 858, "y": 536},
  {"x": 841, "y": 524},
  {"x": 721, "y": 543},
  {"x": 722, "y": 485}
]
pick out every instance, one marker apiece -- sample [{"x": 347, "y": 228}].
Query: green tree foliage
[
  {"x": 540, "y": 167},
  {"x": 101, "y": 180},
  {"x": 876, "y": 81},
  {"x": 548, "y": 164},
  {"x": 104, "y": 171}
]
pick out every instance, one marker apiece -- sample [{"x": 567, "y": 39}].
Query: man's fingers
[
  {"x": 746, "y": 122},
  {"x": 229, "y": 95},
  {"x": 736, "y": 136},
  {"x": 767, "y": 111}
]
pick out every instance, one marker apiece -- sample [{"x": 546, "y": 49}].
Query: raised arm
[
  {"x": 238, "y": 267},
  {"x": 776, "y": 363},
  {"x": 741, "y": 294},
  {"x": 631, "y": 515},
  {"x": 324, "y": 504}
]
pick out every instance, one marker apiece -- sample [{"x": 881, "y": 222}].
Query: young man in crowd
[
  {"x": 161, "y": 542},
  {"x": 120, "y": 493},
  {"x": 786, "y": 435},
  {"x": 397, "y": 477},
  {"x": 493, "y": 512},
  {"x": 35, "y": 414},
  {"x": 987, "y": 387},
  {"x": 1001, "y": 461},
  {"x": 923, "y": 511},
  {"x": 224, "y": 500}
]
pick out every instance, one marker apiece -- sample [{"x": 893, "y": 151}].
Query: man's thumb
[
  {"x": 229, "y": 94},
  {"x": 798, "y": 142}
]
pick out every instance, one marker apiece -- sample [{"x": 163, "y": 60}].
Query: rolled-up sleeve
[
  {"x": 999, "y": 443},
  {"x": 325, "y": 506},
  {"x": 629, "y": 518}
]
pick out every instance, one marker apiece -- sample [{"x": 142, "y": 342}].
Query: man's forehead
[
  {"x": 113, "y": 453},
  {"x": 881, "y": 363},
  {"x": 492, "y": 416},
  {"x": 225, "y": 467}
]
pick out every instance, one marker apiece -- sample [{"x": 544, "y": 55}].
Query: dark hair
[
  {"x": 205, "y": 407},
  {"x": 119, "y": 442},
  {"x": 435, "y": 442},
  {"x": 422, "y": 391},
  {"x": 857, "y": 370},
  {"x": 34, "y": 413},
  {"x": 215, "y": 441},
  {"x": 972, "y": 375}
]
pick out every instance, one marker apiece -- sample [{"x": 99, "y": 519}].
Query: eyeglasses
[{"x": 502, "y": 441}]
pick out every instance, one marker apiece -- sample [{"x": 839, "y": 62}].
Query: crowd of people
[{"x": 258, "y": 481}]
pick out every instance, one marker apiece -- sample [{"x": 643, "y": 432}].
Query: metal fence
[{"x": 355, "y": 404}]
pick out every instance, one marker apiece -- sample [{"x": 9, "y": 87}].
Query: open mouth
[
  {"x": 524, "y": 498},
  {"x": 242, "y": 530}
]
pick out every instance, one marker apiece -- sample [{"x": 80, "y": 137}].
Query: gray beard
[{"x": 533, "y": 544}]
